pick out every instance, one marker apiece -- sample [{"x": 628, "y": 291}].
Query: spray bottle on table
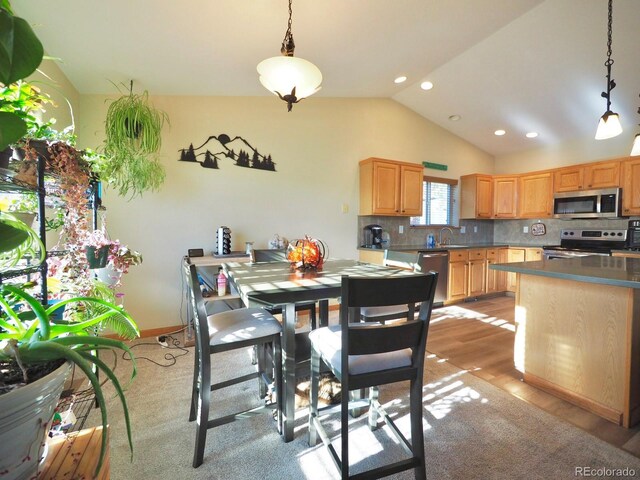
[{"x": 222, "y": 282}]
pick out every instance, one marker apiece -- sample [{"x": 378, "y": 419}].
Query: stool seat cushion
[
  {"x": 240, "y": 325},
  {"x": 328, "y": 342}
]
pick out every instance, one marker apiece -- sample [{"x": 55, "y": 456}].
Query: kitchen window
[{"x": 438, "y": 195}]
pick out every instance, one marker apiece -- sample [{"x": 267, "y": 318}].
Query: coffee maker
[
  {"x": 633, "y": 235},
  {"x": 373, "y": 236}
]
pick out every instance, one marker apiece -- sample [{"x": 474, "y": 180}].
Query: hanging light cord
[
  {"x": 611, "y": 84},
  {"x": 287, "y": 43}
]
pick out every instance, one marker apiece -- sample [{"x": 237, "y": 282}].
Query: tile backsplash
[{"x": 483, "y": 231}]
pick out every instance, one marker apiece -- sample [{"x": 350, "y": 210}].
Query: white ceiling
[{"x": 520, "y": 65}]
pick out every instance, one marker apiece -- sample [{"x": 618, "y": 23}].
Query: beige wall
[
  {"x": 568, "y": 153},
  {"x": 316, "y": 148}
]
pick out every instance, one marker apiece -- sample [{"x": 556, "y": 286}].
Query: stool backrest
[
  {"x": 198, "y": 310},
  {"x": 364, "y": 339},
  {"x": 270, "y": 255}
]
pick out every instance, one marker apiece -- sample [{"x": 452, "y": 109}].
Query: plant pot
[
  {"x": 25, "y": 414},
  {"x": 108, "y": 275},
  {"x": 40, "y": 146},
  {"x": 97, "y": 257}
]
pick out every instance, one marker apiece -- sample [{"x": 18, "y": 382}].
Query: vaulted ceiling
[{"x": 517, "y": 65}]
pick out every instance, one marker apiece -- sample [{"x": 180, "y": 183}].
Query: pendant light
[
  {"x": 609, "y": 125},
  {"x": 291, "y": 78},
  {"x": 635, "y": 149}
]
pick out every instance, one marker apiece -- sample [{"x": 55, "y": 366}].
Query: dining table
[{"x": 279, "y": 284}]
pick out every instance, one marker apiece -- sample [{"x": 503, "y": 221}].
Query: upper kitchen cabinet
[
  {"x": 476, "y": 196},
  {"x": 587, "y": 176},
  {"x": 390, "y": 188},
  {"x": 505, "y": 196},
  {"x": 631, "y": 186},
  {"x": 535, "y": 194}
]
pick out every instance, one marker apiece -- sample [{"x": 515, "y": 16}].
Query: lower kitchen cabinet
[
  {"x": 371, "y": 256},
  {"x": 514, "y": 255},
  {"x": 477, "y": 272},
  {"x": 458, "y": 275},
  {"x": 496, "y": 280}
]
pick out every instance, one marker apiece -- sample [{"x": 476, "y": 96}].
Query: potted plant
[
  {"x": 133, "y": 130},
  {"x": 30, "y": 340}
]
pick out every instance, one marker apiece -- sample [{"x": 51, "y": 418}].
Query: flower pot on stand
[
  {"x": 5, "y": 157},
  {"x": 108, "y": 275},
  {"x": 98, "y": 256},
  {"x": 25, "y": 414}
]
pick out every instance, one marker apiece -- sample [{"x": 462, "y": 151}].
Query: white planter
[
  {"x": 108, "y": 275},
  {"x": 25, "y": 414}
]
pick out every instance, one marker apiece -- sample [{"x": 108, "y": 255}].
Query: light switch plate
[
  {"x": 401, "y": 229},
  {"x": 463, "y": 230},
  {"x": 525, "y": 229}
]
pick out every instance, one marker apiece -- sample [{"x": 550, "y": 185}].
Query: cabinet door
[
  {"x": 411, "y": 190},
  {"x": 631, "y": 187},
  {"x": 477, "y": 277},
  {"x": 505, "y": 197},
  {"x": 514, "y": 255},
  {"x": 568, "y": 179},
  {"x": 492, "y": 278},
  {"x": 602, "y": 175},
  {"x": 458, "y": 280},
  {"x": 501, "y": 277},
  {"x": 484, "y": 197},
  {"x": 536, "y": 195},
  {"x": 386, "y": 179},
  {"x": 532, "y": 254}
]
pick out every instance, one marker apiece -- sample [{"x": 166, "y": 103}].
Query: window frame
[{"x": 453, "y": 192}]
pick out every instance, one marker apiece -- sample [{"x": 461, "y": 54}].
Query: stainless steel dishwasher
[{"x": 438, "y": 262}]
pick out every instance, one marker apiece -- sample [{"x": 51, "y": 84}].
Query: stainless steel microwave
[{"x": 603, "y": 203}]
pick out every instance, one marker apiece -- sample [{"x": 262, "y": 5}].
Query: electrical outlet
[
  {"x": 475, "y": 229},
  {"x": 401, "y": 229},
  {"x": 463, "y": 230},
  {"x": 345, "y": 208},
  {"x": 525, "y": 229}
]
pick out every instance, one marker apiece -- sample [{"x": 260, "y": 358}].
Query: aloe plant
[{"x": 28, "y": 334}]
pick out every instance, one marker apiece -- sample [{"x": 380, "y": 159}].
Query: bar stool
[{"x": 222, "y": 332}]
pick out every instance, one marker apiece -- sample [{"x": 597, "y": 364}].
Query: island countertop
[{"x": 615, "y": 271}]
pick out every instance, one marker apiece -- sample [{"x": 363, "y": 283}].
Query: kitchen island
[{"x": 578, "y": 331}]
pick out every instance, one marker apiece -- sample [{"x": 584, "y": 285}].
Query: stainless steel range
[{"x": 582, "y": 242}]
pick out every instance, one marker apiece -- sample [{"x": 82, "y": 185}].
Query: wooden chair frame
[
  {"x": 202, "y": 386},
  {"x": 367, "y": 339}
]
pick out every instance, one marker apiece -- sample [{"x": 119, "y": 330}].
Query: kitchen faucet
[{"x": 440, "y": 235}]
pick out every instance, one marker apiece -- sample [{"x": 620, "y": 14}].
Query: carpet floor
[{"x": 472, "y": 430}]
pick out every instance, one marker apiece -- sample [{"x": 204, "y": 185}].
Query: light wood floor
[{"x": 478, "y": 336}]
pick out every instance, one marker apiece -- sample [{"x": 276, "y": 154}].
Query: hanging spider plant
[{"x": 133, "y": 130}]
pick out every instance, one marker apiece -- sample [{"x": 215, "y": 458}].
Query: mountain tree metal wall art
[{"x": 219, "y": 147}]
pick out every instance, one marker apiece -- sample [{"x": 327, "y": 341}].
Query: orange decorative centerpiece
[{"x": 307, "y": 253}]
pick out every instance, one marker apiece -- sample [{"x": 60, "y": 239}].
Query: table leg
[
  {"x": 323, "y": 313},
  {"x": 289, "y": 370}
]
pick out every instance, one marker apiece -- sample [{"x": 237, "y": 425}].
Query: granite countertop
[
  {"x": 443, "y": 248},
  {"x": 615, "y": 271}
]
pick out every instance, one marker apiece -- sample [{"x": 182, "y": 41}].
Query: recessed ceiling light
[
  {"x": 400, "y": 79},
  {"x": 454, "y": 118},
  {"x": 532, "y": 134},
  {"x": 426, "y": 85},
  {"x": 499, "y": 133}
]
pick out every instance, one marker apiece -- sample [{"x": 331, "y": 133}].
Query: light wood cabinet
[
  {"x": 496, "y": 280},
  {"x": 535, "y": 195},
  {"x": 514, "y": 255},
  {"x": 631, "y": 186},
  {"x": 371, "y": 256},
  {"x": 532, "y": 254},
  {"x": 390, "y": 188},
  {"x": 458, "y": 275},
  {"x": 587, "y": 176},
  {"x": 477, "y": 272},
  {"x": 476, "y": 196},
  {"x": 505, "y": 196}
]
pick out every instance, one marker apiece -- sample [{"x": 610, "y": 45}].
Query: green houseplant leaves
[{"x": 20, "y": 54}]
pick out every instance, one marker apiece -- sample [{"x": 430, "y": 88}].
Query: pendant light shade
[
  {"x": 281, "y": 75},
  {"x": 290, "y": 78},
  {"x": 609, "y": 126},
  {"x": 635, "y": 150}
]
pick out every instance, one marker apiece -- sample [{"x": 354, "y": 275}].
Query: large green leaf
[
  {"x": 20, "y": 50},
  {"x": 11, "y": 237},
  {"x": 12, "y": 129}
]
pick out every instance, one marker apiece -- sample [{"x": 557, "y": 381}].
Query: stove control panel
[{"x": 608, "y": 235}]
